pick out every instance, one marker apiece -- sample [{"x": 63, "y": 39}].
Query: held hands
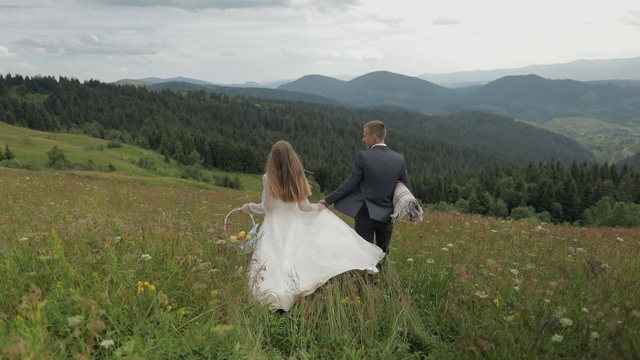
[
  {"x": 322, "y": 204},
  {"x": 245, "y": 208}
]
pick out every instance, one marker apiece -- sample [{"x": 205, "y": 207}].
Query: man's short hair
[{"x": 377, "y": 128}]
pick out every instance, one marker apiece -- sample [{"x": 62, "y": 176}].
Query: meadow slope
[{"x": 96, "y": 268}]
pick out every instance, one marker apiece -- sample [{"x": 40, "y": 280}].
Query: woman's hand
[{"x": 245, "y": 208}]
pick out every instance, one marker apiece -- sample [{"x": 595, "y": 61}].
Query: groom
[{"x": 367, "y": 193}]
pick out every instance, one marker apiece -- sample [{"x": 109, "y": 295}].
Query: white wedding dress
[{"x": 299, "y": 248}]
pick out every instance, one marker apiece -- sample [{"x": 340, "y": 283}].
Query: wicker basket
[{"x": 246, "y": 225}]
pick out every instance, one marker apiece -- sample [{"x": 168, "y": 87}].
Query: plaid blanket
[{"x": 405, "y": 204}]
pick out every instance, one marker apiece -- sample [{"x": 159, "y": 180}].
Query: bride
[{"x": 301, "y": 245}]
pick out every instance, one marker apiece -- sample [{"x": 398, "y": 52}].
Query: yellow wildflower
[
  {"x": 58, "y": 285},
  {"x": 152, "y": 287},
  {"x": 496, "y": 301},
  {"x": 169, "y": 308},
  {"x": 182, "y": 311}
]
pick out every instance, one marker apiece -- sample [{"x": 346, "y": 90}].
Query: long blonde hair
[{"x": 285, "y": 174}]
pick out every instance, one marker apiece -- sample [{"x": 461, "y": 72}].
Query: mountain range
[
  {"x": 536, "y": 93},
  {"x": 580, "y": 70},
  {"x": 524, "y": 97}
]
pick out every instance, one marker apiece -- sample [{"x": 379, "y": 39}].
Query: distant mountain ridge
[
  {"x": 579, "y": 70},
  {"x": 380, "y": 88},
  {"x": 528, "y": 97}
]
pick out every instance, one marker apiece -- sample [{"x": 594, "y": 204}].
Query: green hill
[{"x": 30, "y": 148}]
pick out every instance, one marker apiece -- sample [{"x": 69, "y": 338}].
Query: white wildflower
[
  {"x": 620, "y": 239},
  {"x": 24, "y": 239},
  {"x": 594, "y": 335},
  {"x": 481, "y": 294},
  {"x": 146, "y": 257},
  {"x": 566, "y": 322},
  {"x": 585, "y": 310},
  {"x": 581, "y": 250},
  {"x": 117, "y": 238},
  {"x": 494, "y": 231},
  {"x": 557, "y": 338},
  {"x": 431, "y": 261},
  {"x": 410, "y": 260},
  {"x": 516, "y": 288},
  {"x": 107, "y": 343},
  {"x": 546, "y": 301},
  {"x": 514, "y": 271},
  {"x": 449, "y": 245},
  {"x": 445, "y": 249}
]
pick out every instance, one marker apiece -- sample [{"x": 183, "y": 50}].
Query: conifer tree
[{"x": 8, "y": 154}]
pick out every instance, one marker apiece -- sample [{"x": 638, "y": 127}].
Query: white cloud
[
  {"x": 444, "y": 21},
  {"x": 23, "y": 68},
  {"x": 387, "y": 20},
  {"x": 196, "y": 5},
  {"x": 6, "y": 53},
  {"x": 633, "y": 18},
  {"x": 89, "y": 44},
  {"x": 323, "y": 6},
  {"x": 334, "y": 55},
  {"x": 330, "y": 6}
]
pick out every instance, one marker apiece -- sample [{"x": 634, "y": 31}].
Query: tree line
[
  {"x": 477, "y": 161},
  {"x": 550, "y": 191}
]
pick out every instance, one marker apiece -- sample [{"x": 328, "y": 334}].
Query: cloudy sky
[{"x": 235, "y": 41}]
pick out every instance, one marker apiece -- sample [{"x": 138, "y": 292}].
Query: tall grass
[{"x": 105, "y": 269}]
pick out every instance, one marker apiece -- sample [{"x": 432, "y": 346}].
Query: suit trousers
[{"x": 368, "y": 228}]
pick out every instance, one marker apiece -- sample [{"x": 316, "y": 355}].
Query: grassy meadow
[{"x": 96, "y": 268}]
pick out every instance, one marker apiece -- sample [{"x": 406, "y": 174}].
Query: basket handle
[{"x": 231, "y": 212}]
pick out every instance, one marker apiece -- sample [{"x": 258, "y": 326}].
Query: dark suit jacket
[{"x": 371, "y": 182}]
